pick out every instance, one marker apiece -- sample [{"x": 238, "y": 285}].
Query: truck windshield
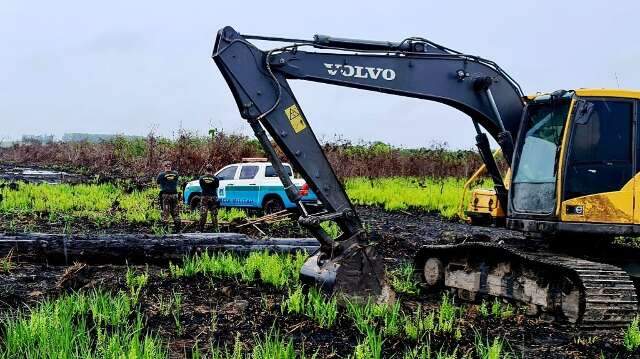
[{"x": 534, "y": 181}]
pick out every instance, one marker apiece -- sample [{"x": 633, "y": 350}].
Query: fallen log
[{"x": 138, "y": 248}]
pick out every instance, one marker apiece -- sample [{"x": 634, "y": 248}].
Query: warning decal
[{"x": 295, "y": 118}]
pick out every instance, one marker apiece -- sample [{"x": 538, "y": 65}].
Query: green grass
[
  {"x": 107, "y": 204},
  {"x": 500, "y": 310},
  {"x": 279, "y": 270},
  {"x": 270, "y": 346},
  {"x": 425, "y": 352},
  {"x": 392, "y": 321},
  {"x": 102, "y": 204},
  {"x": 102, "y": 325},
  {"x": 419, "y": 325},
  {"x": 403, "y": 279},
  {"x": 331, "y": 228},
  {"x": 486, "y": 349},
  {"x": 135, "y": 283},
  {"x": 313, "y": 304},
  {"x": 323, "y": 310},
  {"x": 80, "y": 325},
  {"x": 404, "y": 193},
  {"x": 371, "y": 346},
  {"x": 176, "y": 311},
  {"x": 295, "y": 302},
  {"x": 6, "y": 263},
  {"x": 631, "y": 338},
  {"x": 448, "y": 313}
]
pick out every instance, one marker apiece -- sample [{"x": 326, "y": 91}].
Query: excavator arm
[{"x": 414, "y": 67}]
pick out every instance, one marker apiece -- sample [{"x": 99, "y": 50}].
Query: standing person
[
  {"x": 209, "y": 200},
  {"x": 168, "y": 181}
]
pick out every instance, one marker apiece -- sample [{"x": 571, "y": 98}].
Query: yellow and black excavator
[{"x": 573, "y": 155}]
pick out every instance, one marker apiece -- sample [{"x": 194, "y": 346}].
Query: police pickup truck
[{"x": 251, "y": 184}]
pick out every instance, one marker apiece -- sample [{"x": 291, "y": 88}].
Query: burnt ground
[
  {"x": 401, "y": 233},
  {"x": 221, "y": 310}
]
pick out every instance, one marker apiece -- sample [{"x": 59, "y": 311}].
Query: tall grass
[
  {"x": 401, "y": 193},
  {"x": 404, "y": 280},
  {"x": 371, "y": 346},
  {"x": 275, "y": 269},
  {"x": 631, "y": 338},
  {"x": 314, "y": 305},
  {"x": 270, "y": 346},
  {"x": 103, "y": 204},
  {"x": 487, "y": 349},
  {"x": 420, "y": 324},
  {"x": 80, "y": 325}
]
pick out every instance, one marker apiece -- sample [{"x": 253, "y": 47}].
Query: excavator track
[{"x": 578, "y": 292}]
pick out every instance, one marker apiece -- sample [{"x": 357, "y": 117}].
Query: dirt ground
[{"x": 220, "y": 311}]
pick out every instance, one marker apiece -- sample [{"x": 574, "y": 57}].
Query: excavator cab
[{"x": 574, "y": 168}]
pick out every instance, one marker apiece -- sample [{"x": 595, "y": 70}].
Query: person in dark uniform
[
  {"x": 209, "y": 199},
  {"x": 168, "y": 182}
]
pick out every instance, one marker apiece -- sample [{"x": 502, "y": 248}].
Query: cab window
[
  {"x": 248, "y": 172},
  {"x": 600, "y": 158},
  {"x": 227, "y": 174},
  {"x": 270, "y": 172}
]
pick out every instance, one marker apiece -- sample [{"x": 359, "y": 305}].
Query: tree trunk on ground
[{"x": 137, "y": 248}]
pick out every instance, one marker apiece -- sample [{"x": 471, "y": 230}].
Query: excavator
[{"x": 572, "y": 156}]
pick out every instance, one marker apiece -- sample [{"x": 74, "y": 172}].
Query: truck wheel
[
  {"x": 194, "y": 201},
  {"x": 272, "y": 205}
]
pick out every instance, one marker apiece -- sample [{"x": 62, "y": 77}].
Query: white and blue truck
[{"x": 251, "y": 184}]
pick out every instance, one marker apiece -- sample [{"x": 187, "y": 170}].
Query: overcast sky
[{"x": 132, "y": 66}]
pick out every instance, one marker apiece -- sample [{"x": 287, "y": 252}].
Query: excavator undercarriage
[{"x": 569, "y": 289}]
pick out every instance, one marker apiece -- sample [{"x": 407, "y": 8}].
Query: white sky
[{"x": 130, "y": 66}]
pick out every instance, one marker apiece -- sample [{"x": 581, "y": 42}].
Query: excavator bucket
[{"x": 357, "y": 274}]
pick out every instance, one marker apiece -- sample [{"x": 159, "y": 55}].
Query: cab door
[
  {"x": 246, "y": 186},
  {"x": 226, "y": 176},
  {"x": 599, "y": 184}
]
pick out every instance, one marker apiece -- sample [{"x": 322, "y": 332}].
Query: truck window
[
  {"x": 248, "y": 172},
  {"x": 270, "y": 172},
  {"x": 227, "y": 173}
]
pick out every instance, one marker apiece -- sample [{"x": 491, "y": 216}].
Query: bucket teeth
[{"x": 357, "y": 274}]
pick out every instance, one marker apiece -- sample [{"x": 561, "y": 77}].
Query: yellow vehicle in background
[{"x": 483, "y": 207}]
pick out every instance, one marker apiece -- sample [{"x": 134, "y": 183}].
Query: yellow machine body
[{"x": 484, "y": 207}]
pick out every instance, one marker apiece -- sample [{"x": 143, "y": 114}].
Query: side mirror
[{"x": 583, "y": 110}]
